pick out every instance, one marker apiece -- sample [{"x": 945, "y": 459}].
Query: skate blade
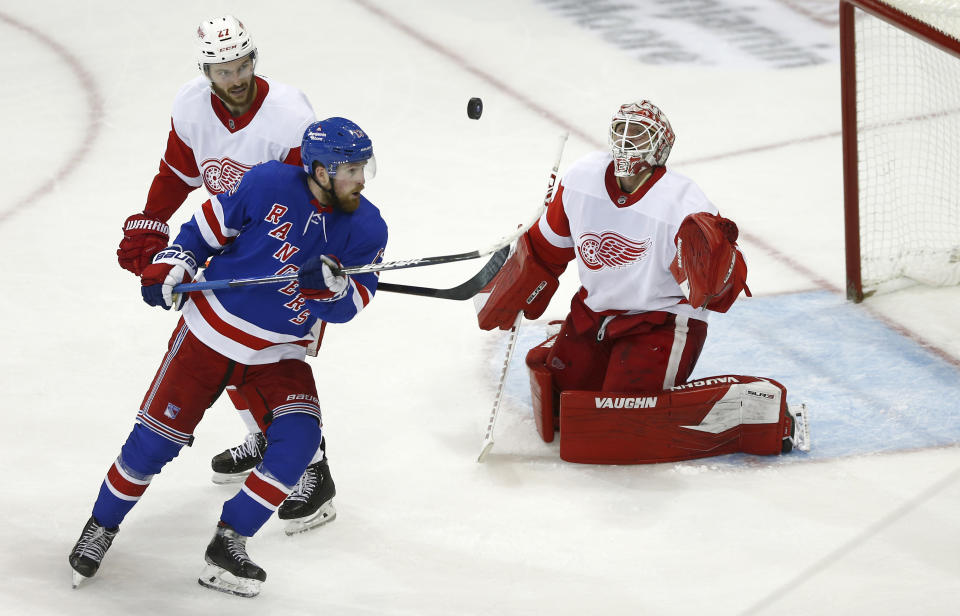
[
  {"x": 78, "y": 578},
  {"x": 324, "y": 515},
  {"x": 228, "y": 478},
  {"x": 487, "y": 446},
  {"x": 802, "y": 418},
  {"x": 218, "y": 578}
]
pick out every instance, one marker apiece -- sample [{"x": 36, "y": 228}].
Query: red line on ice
[{"x": 92, "y": 121}]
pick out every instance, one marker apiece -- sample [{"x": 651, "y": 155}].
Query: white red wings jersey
[
  {"x": 623, "y": 243},
  {"x": 207, "y": 146}
]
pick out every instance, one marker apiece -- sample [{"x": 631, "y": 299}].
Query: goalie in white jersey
[
  {"x": 636, "y": 231},
  {"x": 223, "y": 123}
]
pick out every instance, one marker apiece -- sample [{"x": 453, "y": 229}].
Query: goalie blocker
[{"x": 707, "y": 417}]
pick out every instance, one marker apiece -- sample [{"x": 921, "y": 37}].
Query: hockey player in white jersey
[
  {"x": 280, "y": 219},
  {"x": 635, "y": 230},
  {"x": 223, "y": 123}
]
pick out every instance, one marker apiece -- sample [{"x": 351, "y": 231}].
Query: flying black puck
[{"x": 474, "y": 108}]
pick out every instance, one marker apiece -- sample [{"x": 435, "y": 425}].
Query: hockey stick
[
  {"x": 462, "y": 291},
  {"x": 504, "y": 242},
  {"x": 487, "y": 444}
]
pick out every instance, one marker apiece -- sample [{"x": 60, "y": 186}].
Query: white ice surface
[{"x": 868, "y": 523}]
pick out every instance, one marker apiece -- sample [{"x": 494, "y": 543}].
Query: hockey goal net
[{"x": 900, "y": 65}]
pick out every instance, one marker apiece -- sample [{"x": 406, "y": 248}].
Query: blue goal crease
[{"x": 868, "y": 388}]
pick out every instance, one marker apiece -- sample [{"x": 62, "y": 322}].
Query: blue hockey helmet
[{"x": 334, "y": 142}]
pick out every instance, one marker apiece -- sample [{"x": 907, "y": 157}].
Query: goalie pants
[
  {"x": 631, "y": 353},
  {"x": 283, "y": 400}
]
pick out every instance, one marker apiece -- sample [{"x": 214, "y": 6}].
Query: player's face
[
  {"x": 233, "y": 81},
  {"x": 349, "y": 183}
]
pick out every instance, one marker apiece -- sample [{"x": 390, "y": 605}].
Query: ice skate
[
  {"x": 234, "y": 464},
  {"x": 88, "y": 552},
  {"x": 311, "y": 502},
  {"x": 228, "y": 568},
  {"x": 800, "y": 437}
]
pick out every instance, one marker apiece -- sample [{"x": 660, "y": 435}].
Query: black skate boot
[
  {"x": 229, "y": 569},
  {"x": 311, "y": 502},
  {"x": 88, "y": 552},
  {"x": 234, "y": 464}
]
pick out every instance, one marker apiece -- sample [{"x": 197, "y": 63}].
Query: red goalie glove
[
  {"x": 709, "y": 261},
  {"x": 524, "y": 283}
]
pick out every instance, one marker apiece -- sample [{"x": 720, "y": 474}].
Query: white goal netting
[{"x": 908, "y": 142}]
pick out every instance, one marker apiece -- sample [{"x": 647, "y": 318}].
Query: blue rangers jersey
[{"x": 271, "y": 224}]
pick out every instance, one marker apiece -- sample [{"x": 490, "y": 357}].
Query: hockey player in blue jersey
[{"x": 278, "y": 220}]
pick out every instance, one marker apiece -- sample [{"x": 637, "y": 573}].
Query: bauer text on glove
[{"x": 170, "y": 267}]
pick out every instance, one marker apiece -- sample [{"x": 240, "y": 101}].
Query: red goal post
[{"x": 900, "y": 71}]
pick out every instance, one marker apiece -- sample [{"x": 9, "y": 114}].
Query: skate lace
[
  {"x": 94, "y": 542},
  {"x": 249, "y": 448},
  {"x": 305, "y": 487},
  {"x": 236, "y": 546}
]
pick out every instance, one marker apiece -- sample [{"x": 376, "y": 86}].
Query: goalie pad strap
[{"x": 708, "y": 417}]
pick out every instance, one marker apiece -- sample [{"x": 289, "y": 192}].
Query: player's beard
[
  {"x": 245, "y": 98},
  {"x": 346, "y": 203}
]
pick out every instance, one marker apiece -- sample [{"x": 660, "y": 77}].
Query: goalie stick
[{"x": 487, "y": 444}]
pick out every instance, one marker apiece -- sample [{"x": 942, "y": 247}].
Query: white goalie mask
[
  {"x": 640, "y": 138},
  {"x": 223, "y": 39}
]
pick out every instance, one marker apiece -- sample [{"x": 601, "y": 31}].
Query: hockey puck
[{"x": 474, "y": 108}]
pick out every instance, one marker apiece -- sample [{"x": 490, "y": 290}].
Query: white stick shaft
[
  {"x": 495, "y": 412},
  {"x": 487, "y": 444}
]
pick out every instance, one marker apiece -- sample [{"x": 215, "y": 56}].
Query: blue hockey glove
[
  {"x": 317, "y": 280},
  {"x": 170, "y": 267}
]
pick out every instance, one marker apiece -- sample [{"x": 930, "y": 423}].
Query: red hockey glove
[
  {"x": 318, "y": 281},
  {"x": 170, "y": 267},
  {"x": 524, "y": 283},
  {"x": 143, "y": 237},
  {"x": 709, "y": 261}
]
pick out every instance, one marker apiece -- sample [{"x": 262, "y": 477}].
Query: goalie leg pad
[
  {"x": 576, "y": 360},
  {"x": 542, "y": 393},
  {"x": 709, "y": 417}
]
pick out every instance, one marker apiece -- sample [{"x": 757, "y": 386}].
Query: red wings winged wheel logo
[
  {"x": 610, "y": 249},
  {"x": 222, "y": 176}
]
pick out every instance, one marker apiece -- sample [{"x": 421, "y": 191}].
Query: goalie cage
[{"x": 900, "y": 67}]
